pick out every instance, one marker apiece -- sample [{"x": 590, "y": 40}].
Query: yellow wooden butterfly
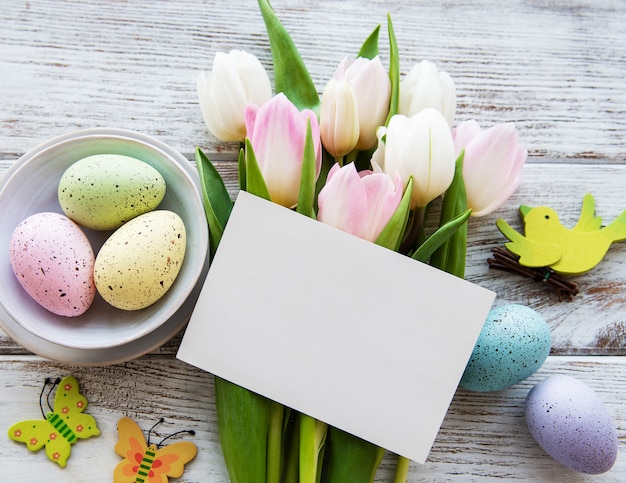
[
  {"x": 148, "y": 463},
  {"x": 63, "y": 425}
]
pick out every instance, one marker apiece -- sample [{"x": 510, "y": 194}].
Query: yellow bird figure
[{"x": 567, "y": 251}]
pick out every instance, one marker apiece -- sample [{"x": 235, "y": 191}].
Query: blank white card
[{"x": 355, "y": 335}]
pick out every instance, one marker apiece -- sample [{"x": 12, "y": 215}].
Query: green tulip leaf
[
  {"x": 215, "y": 198},
  {"x": 290, "y": 73},
  {"x": 443, "y": 234},
  {"x": 391, "y": 236},
  {"x": 243, "y": 420},
  {"x": 451, "y": 255},
  {"x": 255, "y": 183},
  {"x": 306, "y": 195},
  {"x": 351, "y": 459},
  {"x": 394, "y": 71},
  {"x": 369, "y": 49}
]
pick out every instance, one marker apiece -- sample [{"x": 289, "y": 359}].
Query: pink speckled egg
[
  {"x": 570, "y": 422},
  {"x": 53, "y": 261}
]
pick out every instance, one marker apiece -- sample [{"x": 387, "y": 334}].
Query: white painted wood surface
[{"x": 555, "y": 68}]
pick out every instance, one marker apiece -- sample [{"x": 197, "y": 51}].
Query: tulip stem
[
  {"x": 352, "y": 156},
  {"x": 402, "y": 470},
  {"x": 312, "y": 439},
  {"x": 414, "y": 235},
  {"x": 274, "y": 443},
  {"x": 339, "y": 160},
  {"x": 291, "y": 453}
]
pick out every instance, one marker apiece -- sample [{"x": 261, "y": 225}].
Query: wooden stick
[{"x": 506, "y": 261}]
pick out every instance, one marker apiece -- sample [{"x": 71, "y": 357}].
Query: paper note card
[{"x": 350, "y": 333}]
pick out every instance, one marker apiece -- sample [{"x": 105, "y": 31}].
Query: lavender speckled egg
[
  {"x": 514, "y": 342},
  {"x": 570, "y": 422},
  {"x": 53, "y": 261},
  {"x": 104, "y": 191},
  {"x": 140, "y": 261}
]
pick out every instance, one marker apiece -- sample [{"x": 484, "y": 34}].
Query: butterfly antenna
[
  {"x": 54, "y": 384},
  {"x": 187, "y": 431},
  {"x": 160, "y": 421},
  {"x": 43, "y": 388}
]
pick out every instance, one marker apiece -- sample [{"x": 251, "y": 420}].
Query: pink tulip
[
  {"x": 360, "y": 203},
  {"x": 277, "y": 131},
  {"x": 492, "y": 165}
]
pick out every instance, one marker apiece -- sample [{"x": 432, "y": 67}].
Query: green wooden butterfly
[{"x": 63, "y": 425}]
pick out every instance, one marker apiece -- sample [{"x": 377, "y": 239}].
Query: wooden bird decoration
[{"x": 566, "y": 251}]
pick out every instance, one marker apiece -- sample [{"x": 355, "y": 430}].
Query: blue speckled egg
[
  {"x": 514, "y": 342},
  {"x": 570, "y": 422}
]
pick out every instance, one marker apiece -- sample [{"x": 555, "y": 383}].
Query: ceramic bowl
[{"x": 30, "y": 186}]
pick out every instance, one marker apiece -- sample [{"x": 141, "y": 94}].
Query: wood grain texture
[
  {"x": 483, "y": 438},
  {"x": 555, "y": 68}
]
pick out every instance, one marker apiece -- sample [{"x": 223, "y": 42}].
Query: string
[
  {"x": 57, "y": 381},
  {"x": 187, "y": 431},
  {"x": 43, "y": 388},
  {"x": 152, "y": 429}
]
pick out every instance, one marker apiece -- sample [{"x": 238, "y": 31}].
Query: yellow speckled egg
[
  {"x": 104, "y": 191},
  {"x": 139, "y": 262}
]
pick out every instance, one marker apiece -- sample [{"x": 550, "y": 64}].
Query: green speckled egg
[
  {"x": 140, "y": 261},
  {"x": 514, "y": 342},
  {"x": 104, "y": 191}
]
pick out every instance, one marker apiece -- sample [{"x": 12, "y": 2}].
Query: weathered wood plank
[
  {"x": 483, "y": 438},
  {"x": 555, "y": 69}
]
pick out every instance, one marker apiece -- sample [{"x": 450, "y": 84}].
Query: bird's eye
[{"x": 547, "y": 217}]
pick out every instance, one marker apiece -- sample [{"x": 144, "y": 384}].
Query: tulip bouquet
[{"x": 370, "y": 157}]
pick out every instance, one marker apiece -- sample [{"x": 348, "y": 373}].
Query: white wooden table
[{"x": 555, "y": 68}]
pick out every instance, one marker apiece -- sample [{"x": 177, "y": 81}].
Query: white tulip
[
  {"x": 425, "y": 86},
  {"x": 372, "y": 89},
  {"x": 339, "y": 118},
  {"x": 236, "y": 80},
  {"x": 421, "y": 147}
]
